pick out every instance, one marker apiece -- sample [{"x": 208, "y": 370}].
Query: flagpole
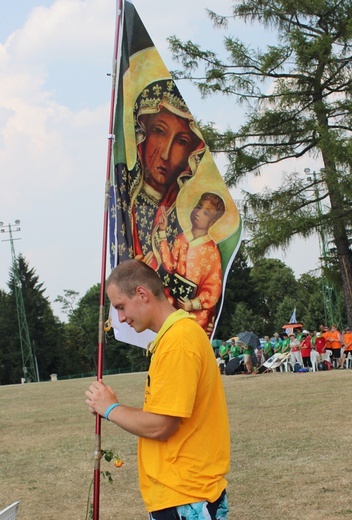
[{"x": 97, "y": 448}]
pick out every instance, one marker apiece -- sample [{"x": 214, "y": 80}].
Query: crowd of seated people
[{"x": 328, "y": 347}]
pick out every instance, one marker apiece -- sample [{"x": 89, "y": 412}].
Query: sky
[{"x": 55, "y": 89}]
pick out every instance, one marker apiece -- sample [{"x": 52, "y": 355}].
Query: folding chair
[
  {"x": 280, "y": 362},
  {"x": 285, "y": 362},
  {"x": 10, "y": 512},
  {"x": 269, "y": 364},
  {"x": 314, "y": 356}
]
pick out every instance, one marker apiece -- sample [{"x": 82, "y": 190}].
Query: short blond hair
[{"x": 130, "y": 274}]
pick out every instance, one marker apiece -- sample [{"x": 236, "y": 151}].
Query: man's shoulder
[
  {"x": 187, "y": 329},
  {"x": 187, "y": 320}
]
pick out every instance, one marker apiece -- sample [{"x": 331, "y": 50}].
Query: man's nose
[
  {"x": 166, "y": 149},
  {"x": 121, "y": 316}
]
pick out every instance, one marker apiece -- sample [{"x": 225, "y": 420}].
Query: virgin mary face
[{"x": 168, "y": 144}]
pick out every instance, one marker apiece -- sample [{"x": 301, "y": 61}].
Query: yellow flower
[{"x": 118, "y": 462}]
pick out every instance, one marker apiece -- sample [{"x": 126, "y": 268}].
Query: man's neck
[{"x": 162, "y": 312}]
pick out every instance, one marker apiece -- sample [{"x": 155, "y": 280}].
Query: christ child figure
[{"x": 195, "y": 259}]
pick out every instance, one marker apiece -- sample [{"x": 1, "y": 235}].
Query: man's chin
[{"x": 134, "y": 327}]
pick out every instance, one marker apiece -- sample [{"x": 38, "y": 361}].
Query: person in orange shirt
[
  {"x": 334, "y": 341},
  {"x": 347, "y": 341},
  {"x": 325, "y": 333}
]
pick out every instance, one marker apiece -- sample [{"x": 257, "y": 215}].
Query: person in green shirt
[
  {"x": 268, "y": 348},
  {"x": 235, "y": 349},
  {"x": 224, "y": 355},
  {"x": 277, "y": 343},
  {"x": 285, "y": 344},
  {"x": 298, "y": 332},
  {"x": 247, "y": 358}
]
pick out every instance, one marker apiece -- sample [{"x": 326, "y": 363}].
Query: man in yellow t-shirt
[{"x": 183, "y": 430}]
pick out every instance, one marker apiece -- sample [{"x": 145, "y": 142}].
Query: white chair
[
  {"x": 285, "y": 363},
  {"x": 10, "y": 512},
  {"x": 327, "y": 355},
  {"x": 348, "y": 360},
  {"x": 279, "y": 361},
  {"x": 314, "y": 357}
]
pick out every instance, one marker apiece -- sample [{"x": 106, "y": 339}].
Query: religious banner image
[{"x": 169, "y": 205}]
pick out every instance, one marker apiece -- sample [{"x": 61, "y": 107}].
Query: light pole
[
  {"x": 331, "y": 313},
  {"x": 29, "y": 373}
]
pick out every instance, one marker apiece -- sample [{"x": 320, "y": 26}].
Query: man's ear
[{"x": 142, "y": 292}]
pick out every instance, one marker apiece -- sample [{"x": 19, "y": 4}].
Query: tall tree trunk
[
  {"x": 336, "y": 198},
  {"x": 345, "y": 261},
  {"x": 340, "y": 234}
]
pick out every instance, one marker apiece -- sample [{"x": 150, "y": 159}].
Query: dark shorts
[
  {"x": 336, "y": 353},
  {"x": 217, "y": 510}
]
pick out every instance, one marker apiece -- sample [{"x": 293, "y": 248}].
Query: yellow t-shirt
[{"x": 184, "y": 381}]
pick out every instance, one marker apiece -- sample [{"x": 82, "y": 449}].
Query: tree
[
  {"x": 45, "y": 331},
  {"x": 239, "y": 288},
  {"x": 82, "y": 337},
  {"x": 298, "y": 94},
  {"x": 67, "y": 301},
  {"x": 244, "y": 319},
  {"x": 85, "y": 319},
  {"x": 283, "y": 312},
  {"x": 10, "y": 358},
  {"x": 273, "y": 281},
  {"x": 308, "y": 302}
]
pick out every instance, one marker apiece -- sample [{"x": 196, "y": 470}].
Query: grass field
[{"x": 290, "y": 458}]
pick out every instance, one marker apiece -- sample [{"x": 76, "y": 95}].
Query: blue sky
[{"x": 54, "y": 113}]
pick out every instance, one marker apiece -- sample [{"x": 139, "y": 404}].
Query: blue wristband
[{"x": 111, "y": 407}]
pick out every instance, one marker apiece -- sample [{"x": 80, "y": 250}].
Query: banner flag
[
  {"x": 293, "y": 320},
  {"x": 168, "y": 204}
]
